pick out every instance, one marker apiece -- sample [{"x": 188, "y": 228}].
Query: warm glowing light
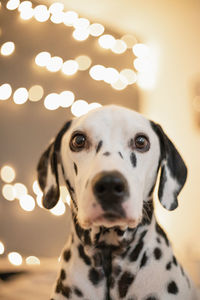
[
  {"x": 97, "y": 72},
  {"x": 130, "y": 40},
  {"x": 32, "y": 260},
  {"x": 8, "y": 192},
  {"x": 119, "y": 85},
  {"x": 15, "y": 258},
  {"x": 25, "y": 5},
  {"x": 5, "y": 91},
  {"x": 41, "y": 13},
  {"x": 39, "y": 200},
  {"x": 35, "y": 93},
  {"x": 79, "y": 108},
  {"x": 20, "y": 190},
  {"x": 69, "y": 18},
  {"x": 146, "y": 80},
  {"x": 7, "y": 48},
  {"x": 142, "y": 64},
  {"x": 54, "y": 64},
  {"x": 96, "y": 29},
  {"x": 20, "y": 95},
  {"x": 59, "y": 209},
  {"x": 80, "y": 34},
  {"x": 2, "y": 248},
  {"x": 26, "y": 13},
  {"x": 27, "y": 202},
  {"x": 64, "y": 195},
  {"x": 12, "y": 4},
  {"x": 57, "y": 17},
  {"x": 84, "y": 62},
  {"x": 128, "y": 76},
  {"x": 66, "y": 98},
  {"x": 36, "y": 188},
  {"x": 51, "y": 101},
  {"x": 70, "y": 67},
  {"x": 141, "y": 50},
  {"x": 119, "y": 47},
  {"x": 7, "y": 174},
  {"x": 81, "y": 23},
  {"x": 111, "y": 75},
  {"x": 56, "y": 7},
  {"x": 93, "y": 105},
  {"x": 106, "y": 41},
  {"x": 42, "y": 59}
]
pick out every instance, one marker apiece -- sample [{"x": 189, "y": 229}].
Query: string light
[
  {"x": 128, "y": 76},
  {"x": 35, "y": 93},
  {"x": 119, "y": 85},
  {"x": 56, "y": 7},
  {"x": 96, "y": 29},
  {"x": 84, "y": 62},
  {"x": 97, "y": 72},
  {"x": 2, "y": 248},
  {"x": 79, "y": 108},
  {"x": 70, "y": 67},
  {"x": 141, "y": 50},
  {"x": 27, "y": 202},
  {"x": 20, "y": 95},
  {"x": 80, "y": 34},
  {"x": 59, "y": 209},
  {"x": 8, "y": 192},
  {"x": 51, "y": 101},
  {"x": 26, "y": 13},
  {"x": 7, "y": 48},
  {"x": 7, "y": 174},
  {"x": 32, "y": 260},
  {"x": 24, "y": 5},
  {"x": 54, "y": 64},
  {"x": 106, "y": 41},
  {"x": 5, "y": 91},
  {"x": 15, "y": 258},
  {"x": 119, "y": 47},
  {"x": 42, "y": 58},
  {"x": 111, "y": 75},
  {"x": 20, "y": 190},
  {"x": 81, "y": 23},
  {"x": 12, "y": 4},
  {"x": 66, "y": 98},
  {"x": 57, "y": 17},
  {"x": 69, "y": 18},
  {"x": 41, "y": 13}
]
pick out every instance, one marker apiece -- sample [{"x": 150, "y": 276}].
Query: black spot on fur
[
  {"x": 147, "y": 212},
  {"x": 119, "y": 231},
  {"x": 95, "y": 276},
  {"x": 99, "y": 146},
  {"x": 82, "y": 254},
  {"x": 69, "y": 186},
  {"x": 78, "y": 292},
  {"x": 106, "y": 153},
  {"x": 151, "y": 298},
  {"x": 143, "y": 260},
  {"x": 169, "y": 266},
  {"x": 120, "y": 154},
  {"x": 111, "y": 282},
  {"x": 160, "y": 231},
  {"x": 64, "y": 290},
  {"x": 124, "y": 282},
  {"x": 158, "y": 240},
  {"x": 62, "y": 274},
  {"x": 133, "y": 159},
  {"x": 117, "y": 270},
  {"x": 174, "y": 261},
  {"x": 67, "y": 255},
  {"x": 157, "y": 253},
  {"x": 136, "y": 251},
  {"x": 75, "y": 169},
  {"x": 172, "y": 288}
]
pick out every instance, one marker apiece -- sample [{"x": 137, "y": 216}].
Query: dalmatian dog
[{"x": 110, "y": 160}]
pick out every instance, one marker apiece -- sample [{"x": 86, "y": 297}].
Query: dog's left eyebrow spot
[
  {"x": 75, "y": 168},
  {"x": 99, "y": 146},
  {"x": 106, "y": 153},
  {"x": 120, "y": 154}
]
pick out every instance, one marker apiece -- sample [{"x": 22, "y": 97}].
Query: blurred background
[{"x": 58, "y": 60}]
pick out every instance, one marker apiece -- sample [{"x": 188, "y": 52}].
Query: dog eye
[
  {"x": 77, "y": 142},
  {"x": 142, "y": 143}
]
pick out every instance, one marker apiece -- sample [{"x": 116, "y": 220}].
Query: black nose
[{"x": 110, "y": 188}]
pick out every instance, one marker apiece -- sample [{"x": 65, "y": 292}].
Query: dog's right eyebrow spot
[
  {"x": 99, "y": 146},
  {"x": 120, "y": 154}
]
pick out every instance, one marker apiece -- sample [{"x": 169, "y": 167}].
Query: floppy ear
[
  {"x": 173, "y": 171},
  {"x": 47, "y": 170}
]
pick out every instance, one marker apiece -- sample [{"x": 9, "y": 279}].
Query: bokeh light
[
  {"x": 51, "y": 102},
  {"x": 35, "y": 93},
  {"x": 42, "y": 58},
  {"x": 5, "y": 91},
  {"x": 119, "y": 47},
  {"x": 79, "y": 108},
  {"x": 128, "y": 76},
  {"x": 27, "y": 202},
  {"x": 56, "y": 7},
  {"x": 24, "y": 6},
  {"x": 119, "y": 85},
  {"x": 93, "y": 105},
  {"x": 84, "y": 62},
  {"x": 26, "y": 12},
  {"x": 20, "y": 96},
  {"x": 12, "y": 4},
  {"x": 20, "y": 190},
  {"x": 7, "y": 174},
  {"x": 66, "y": 98},
  {"x": 141, "y": 50},
  {"x": 8, "y": 192},
  {"x": 15, "y": 258},
  {"x": 97, "y": 72},
  {"x": 69, "y": 18},
  {"x": 111, "y": 75},
  {"x": 59, "y": 209},
  {"x": 81, "y": 23},
  {"x": 81, "y": 34},
  {"x": 96, "y": 29},
  {"x": 32, "y": 260},
  {"x": 64, "y": 195},
  {"x": 130, "y": 40},
  {"x": 41, "y": 13},
  {"x": 57, "y": 17},
  {"x": 2, "y": 248},
  {"x": 36, "y": 188},
  {"x": 70, "y": 67},
  {"x": 54, "y": 64},
  {"x": 7, "y": 48},
  {"x": 106, "y": 41}
]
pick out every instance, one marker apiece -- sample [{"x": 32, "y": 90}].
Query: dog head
[{"x": 110, "y": 160}]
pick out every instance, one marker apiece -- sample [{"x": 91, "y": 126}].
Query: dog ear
[
  {"x": 47, "y": 170},
  {"x": 173, "y": 171}
]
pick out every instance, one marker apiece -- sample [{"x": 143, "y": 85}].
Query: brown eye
[
  {"x": 142, "y": 143},
  {"x": 77, "y": 142}
]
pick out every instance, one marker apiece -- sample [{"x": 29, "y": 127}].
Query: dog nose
[{"x": 110, "y": 187}]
